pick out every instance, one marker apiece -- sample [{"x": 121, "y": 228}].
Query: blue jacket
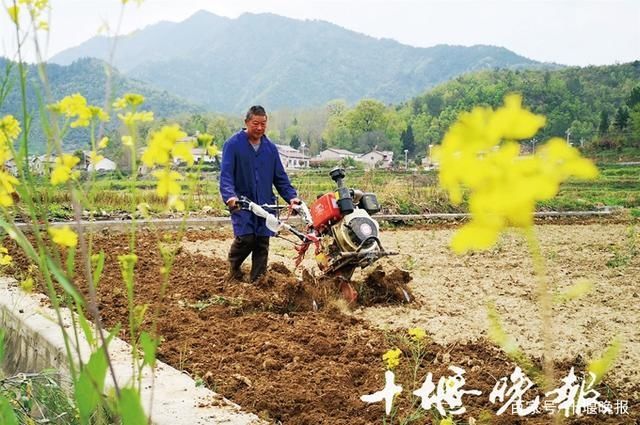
[{"x": 250, "y": 173}]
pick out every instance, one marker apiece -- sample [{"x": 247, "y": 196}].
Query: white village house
[
  {"x": 376, "y": 159},
  {"x": 334, "y": 154},
  {"x": 291, "y": 157},
  {"x": 105, "y": 164},
  {"x": 41, "y": 164}
]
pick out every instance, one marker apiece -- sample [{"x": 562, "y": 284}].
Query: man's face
[{"x": 256, "y": 126}]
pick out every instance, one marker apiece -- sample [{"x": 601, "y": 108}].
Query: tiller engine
[{"x": 339, "y": 227}]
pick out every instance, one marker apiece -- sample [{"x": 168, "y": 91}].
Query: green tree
[
  {"x": 408, "y": 141},
  {"x": 367, "y": 123},
  {"x": 220, "y": 129},
  {"x": 295, "y": 141},
  {"x": 367, "y": 116},
  {"x": 581, "y": 131},
  {"x": 621, "y": 120},
  {"x": 603, "y": 127},
  {"x": 434, "y": 104},
  {"x": 634, "y": 97},
  {"x": 420, "y": 126},
  {"x": 634, "y": 124},
  {"x": 196, "y": 124}
]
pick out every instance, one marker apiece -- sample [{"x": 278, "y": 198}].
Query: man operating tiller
[{"x": 251, "y": 167}]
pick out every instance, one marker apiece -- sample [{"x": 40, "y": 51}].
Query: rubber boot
[
  {"x": 239, "y": 251},
  {"x": 259, "y": 257}
]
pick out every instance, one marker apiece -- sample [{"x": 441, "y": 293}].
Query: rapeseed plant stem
[{"x": 545, "y": 300}]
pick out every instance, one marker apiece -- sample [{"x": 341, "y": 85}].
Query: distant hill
[
  {"x": 88, "y": 77},
  {"x": 228, "y": 64},
  {"x": 573, "y": 99}
]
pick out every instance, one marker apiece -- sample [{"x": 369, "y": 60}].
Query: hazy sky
[{"x": 572, "y": 32}]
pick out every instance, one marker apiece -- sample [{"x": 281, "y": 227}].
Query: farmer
[{"x": 250, "y": 167}]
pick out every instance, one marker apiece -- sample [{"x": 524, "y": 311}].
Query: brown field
[{"x": 265, "y": 348}]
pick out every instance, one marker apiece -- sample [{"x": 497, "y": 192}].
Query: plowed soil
[{"x": 289, "y": 350}]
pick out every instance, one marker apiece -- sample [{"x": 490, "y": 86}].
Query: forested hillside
[
  {"x": 574, "y": 99},
  {"x": 596, "y": 105},
  {"x": 88, "y": 77},
  {"x": 597, "y": 108}
]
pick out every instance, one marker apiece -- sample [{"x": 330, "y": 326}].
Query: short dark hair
[{"x": 255, "y": 110}]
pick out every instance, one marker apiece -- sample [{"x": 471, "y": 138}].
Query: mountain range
[{"x": 228, "y": 64}]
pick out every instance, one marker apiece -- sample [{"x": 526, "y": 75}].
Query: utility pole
[
  {"x": 568, "y": 134},
  {"x": 406, "y": 163}
]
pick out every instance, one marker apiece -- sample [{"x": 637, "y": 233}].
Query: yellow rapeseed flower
[
  {"x": 417, "y": 334},
  {"x": 213, "y": 150},
  {"x": 127, "y": 140},
  {"x": 7, "y": 187},
  {"x": 64, "y": 236},
  {"x": 480, "y": 153},
  {"x": 75, "y": 106},
  {"x": 183, "y": 150},
  {"x": 205, "y": 139},
  {"x": 392, "y": 358},
  {"x": 161, "y": 146},
  {"x": 174, "y": 201},
  {"x": 120, "y": 103},
  {"x": 34, "y": 8},
  {"x": 134, "y": 99},
  {"x": 36, "y": 4},
  {"x": 5, "y": 258},
  {"x": 94, "y": 158},
  {"x": 62, "y": 171},
  {"x": 9, "y": 129},
  {"x": 14, "y": 14},
  {"x": 27, "y": 284},
  {"x": 99, "y": 113},
  {"x": 167, "y": 182},
  {"x": 5, "y": 154},
  {"x": 127, "y": 260},
  {"x": 129, "y": 99},
  {"x": 131, "y": 118},
  {"x": 447, "y": 421},
  {"x": 103, "y": 143}
]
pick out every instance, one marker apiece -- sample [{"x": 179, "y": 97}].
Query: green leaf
[
  {"x": 130, "y": 408},
  {"x": 600, "y": 366},
  {"x": 19, "y": 237},
  {"x": 62, "y": 279},
  {"x": 7, "y": 416},
  {"x": 89, "y": 386},
  {"x": 149, "y": 346},
  {"x": 97, "y": 273},
  {"x": 1, "y": 344},
  {"x": 579, "y": 289},
  {"x": 115, "y": 331},
  {"x": 86, "y": 327},
  {"x": 71, "y": 260}
]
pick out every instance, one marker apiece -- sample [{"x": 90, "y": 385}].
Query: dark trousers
[{"x": 242, "y": 246}]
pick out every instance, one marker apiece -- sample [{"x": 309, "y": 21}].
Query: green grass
[
  {"x": 38, "y": 398},
  {"x": 398, "y": 192}
]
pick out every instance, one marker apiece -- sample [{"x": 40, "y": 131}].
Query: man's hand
[
  {"x": 292, "y": 205},
  {"x": 232, "y": 203}
]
